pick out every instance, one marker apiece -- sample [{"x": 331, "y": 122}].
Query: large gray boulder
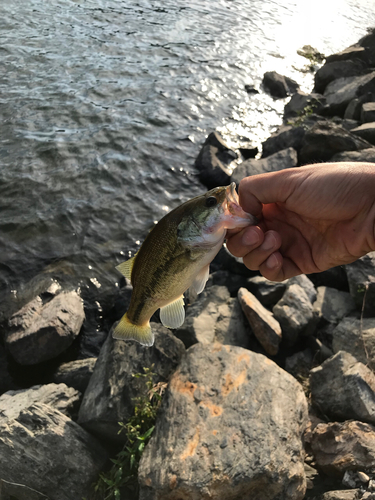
[
  {"x": 109, "y": 397},
  {"x": 45, "y": 451},
  {"x": 41, "y": 331},
  {"x": 75, "y": 374},
  {"x": 279, "y": 86},
  {"x": 285, "y": 137},
  {"x": 229, "y": 427},
  {"x": 300, "y": 103},
  {"x": 361, "y": 279},
  {"x": 332, "y": 305},
  {"x": 368, "y": 112},
  {"x": 340, "y": 92},
  {"x": 213, "y": 161},
  {"x": 287, "y": 158},
  {"x": 266, "y": 291},
  {"x": 357, "y": 337},
  {"x": 344, "y": 388},
  {"x": 337, "y": 69},
  {"x": 366, "y": 155},
  {"x": 366, "y": 131}
]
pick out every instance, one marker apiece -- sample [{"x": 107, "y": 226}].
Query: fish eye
[{"x": 211, "y": 201}]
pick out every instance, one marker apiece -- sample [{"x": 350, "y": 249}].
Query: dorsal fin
[{"x": 126, "y": 267}]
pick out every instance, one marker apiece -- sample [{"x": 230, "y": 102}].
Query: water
[{"x": 104, "y": 105}]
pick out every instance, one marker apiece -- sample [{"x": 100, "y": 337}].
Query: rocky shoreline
[{"x": 269, "y": 388}]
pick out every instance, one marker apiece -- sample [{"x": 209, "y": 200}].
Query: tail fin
[{"x": 126, "y": 330}]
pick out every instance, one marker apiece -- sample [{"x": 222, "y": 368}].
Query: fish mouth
[{"x": 233, "y": 209}]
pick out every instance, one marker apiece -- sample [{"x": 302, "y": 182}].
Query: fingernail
[
  {"x": 269, "y": 242},
  {"x": 272, "y": 262},
  {"x": 250, "y": 238}
]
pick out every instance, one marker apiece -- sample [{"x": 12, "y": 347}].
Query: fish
[{"x": 175, "y": 257}]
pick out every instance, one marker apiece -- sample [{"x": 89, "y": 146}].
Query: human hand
[{"x": 312, "y": 218}]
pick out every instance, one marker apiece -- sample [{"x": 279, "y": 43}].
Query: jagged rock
[
  {"x": 224, "y": 278},
  {"x": 266, "y": 329},
  {"x": 356, "y": 337},
  {"x": 215, "y": 445},
  {"x": 16, "y": 491},
  {"x": 354, "y": 108},
  {"x": 341, "y": 495},
  {"x": 334, "y": 278},
  {"x": 45, "y": 451},
  {"x": 213, "y": 160},
  {"x": 304, "y": 282},
  {"x": 267, "y": 292},
  {"x": 294, "y": 312},
  {"x": 325, "y": 139},
  {"x": 39, "y": 331},
  {"x": 361, "y": 279},
  {"x": 366, "y": 131},
  {"x": 285, "y": 137},
  {"x": 332, "y": 305},
  {"x": 300, "y": 102},
  {"x": 75, "y": 374},
  {"x": 350, "y": 53},
  {"x": 279, "y": 85},
  {"x": 59, "y": 396},
  {"x": 338, "y": 447},
  {"x": 109, "y": 397},
  {"x": 340, "y": 92},
  {"x": 215, "y": 316},
  {"x": 368, "y": 112},
  {"x": 343, "y": 388},
  {"x": 337, "y": 69},
  {"x": 287, "y": 158},
  {"x": 366, "y": 155}
]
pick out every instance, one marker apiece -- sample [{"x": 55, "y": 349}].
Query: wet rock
[
  {"x": 332, "y": 305},
  {"x": 368, "y": 112},
  {"x": 361, "y": 279},
  {"x": 215, "y": 445},
  {"x": 344, "y": 388},
  {"x": 45, "y": 451},
  {"x": 224, "y": 278},
  {"x": 109, "y": 397},
  {"x": 340, "y": 92},
  {"x": 300, "y": 102},
  {"x": 267, "y": 292},
  {"x": 39, "y": 331},
  {"x": 366, "y": 131},
  {"x": 287, "y": 158},
  {"x": 340, "y": 495},
  {"x": 213, "y": 161},
  {"x": 75, "y": 374},
  {"x": 285, "y": 137},
  {"x": 279, "y": 85},
  {"x": 59, "y": 396},
  {"x": 304, "y": 282},
  {"x": 250, "y": 89},
  {"x": 266, "y": 329},
  {"x": 367, "y": 155},
  {"x": 215, "y": 316},
  {"x": 325, "y": 139},
  {"x": 337, "y": 69},
  {"x": 356, "y": 337},
  {"x": 338, "y": 447},
  {"x": 294, "y": 312}
]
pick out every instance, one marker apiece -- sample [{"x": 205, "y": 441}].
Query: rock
[
  {"x": 366, "y": 131},
  {"x": 325, "y": 139},
  {"x": 233, "y": 282},
  {"x": 109, "y": 397},
  {"x": 366, "y": 155},
  {"x": 250, "y": 89},
  {"x": 340, "y": 92},
  {"x": 294, "y": 312},
  {"x": 287, "y": 158},
  {"x": 285, "y": 137},
  {"x": 301, "y": 102},
  {"x": 356, "y": 337},
  {"x": 304, "y": 282},
  {"x": 332, "y": 305},
  {"x": 279, "y": 85},
  {"x": 39, "y": 331},
  {"x": 337, "y": 69},
  {"x": 340, "y": 495},
  {"x": 224, "y": 260},
  {"x": 213, "y": 160},
  {"x": 354, "y": 108},
  {"x": 45, "y": 451},
  {"x": 299, "y": 364},
  {"x": 75, "y": 374},
  {"x": 248, "y": 152},
  {"x": 338, "y": 447},
  {"x": 267, "y": 292},
  {"x": 6, "y": 380},
  {"x": 368, "y": 112},
  {"x": 216, "y": 445},
  {"x": 58, "y": 396},
  {"x": 350, "y": 53},
  {"x": 15, "y": 491},
  {"x": 361, "y": 279},
  {"x": 266, "y": 329},
  {"x": 215, "y": 316},
  {"x": 343, "y": 388}
]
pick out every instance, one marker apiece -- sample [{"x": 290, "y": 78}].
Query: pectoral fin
[
  {"x": 199, "y": 283},
  {"x": 126, "y": 330},
  {"x": 173, "y": 315},
  {"x": 126, "y": 267}
]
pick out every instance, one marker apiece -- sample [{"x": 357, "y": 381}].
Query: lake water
[{"x": 104, "y": 105}]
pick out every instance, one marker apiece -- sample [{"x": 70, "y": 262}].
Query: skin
[{"x": 312, "y": 218}]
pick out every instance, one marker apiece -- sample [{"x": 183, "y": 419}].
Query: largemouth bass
[{"x": 175, "y": 257}]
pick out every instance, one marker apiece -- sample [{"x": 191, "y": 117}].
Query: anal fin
[{"x": 173, "y": 314}]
